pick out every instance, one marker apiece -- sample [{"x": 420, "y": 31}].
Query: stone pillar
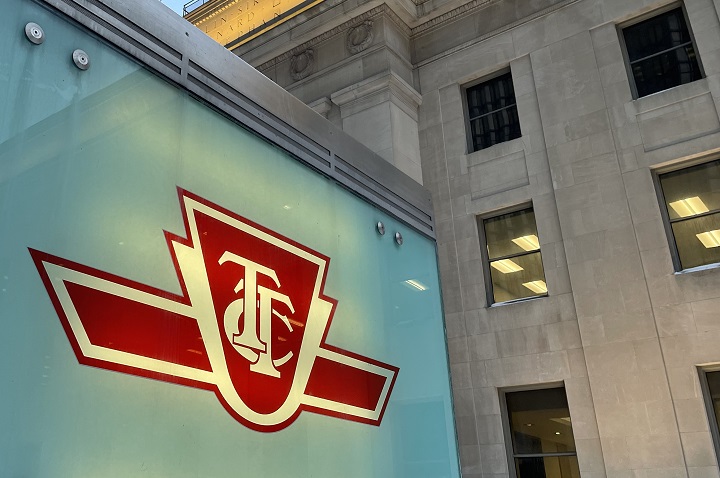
[{"x": 382, "y": 113}]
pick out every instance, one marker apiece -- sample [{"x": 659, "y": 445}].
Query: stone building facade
[{"x": 629, "y": 321}]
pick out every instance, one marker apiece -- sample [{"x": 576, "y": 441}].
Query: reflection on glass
[
  {"x": 692, "y": 191},
  {"x": 661, "y": 53},
  {"x": 689, "y": 207},
  {"x": 511, "y": 285},
  {"x": 492, "y": 112},
  {"x": 696, "y": 238},
  {"x": 528, "y": 243},
  {"x": 709, "y": 239},
  {"x": 514, "y": 252},
  {"x": 537, "y": 286},
  {"x": 542, "y": 436},
  {"x": 540, "y": 421},
  {"x": 713, "y": 380},
  {"x": 506, "y": 266},
  {"x": 547, "y": 467},
  {"x": 692, "y": 198}
]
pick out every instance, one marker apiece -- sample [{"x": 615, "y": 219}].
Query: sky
[{"x": 176, "y": 5}]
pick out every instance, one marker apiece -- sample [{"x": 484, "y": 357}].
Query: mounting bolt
[
  {"x": 398, "y": 238},
  {"x": 81, "y": 59},
  {"x": 380, "y": 228},
  {"x": 34, "y": 33}
]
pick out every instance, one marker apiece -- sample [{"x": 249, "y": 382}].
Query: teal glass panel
[{"x": 90, "y": 163}]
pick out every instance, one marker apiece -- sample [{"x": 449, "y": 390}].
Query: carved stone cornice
[
  {"x": 420, "y": 29},
  {"x": 360, "y": 19},
  {"x": 474, "y": 5},
  {"x": 375, "y": 90}
]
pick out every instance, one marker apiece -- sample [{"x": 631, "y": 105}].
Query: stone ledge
[{"x": 375, "y": 90}]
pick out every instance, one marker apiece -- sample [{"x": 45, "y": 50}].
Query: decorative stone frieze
[
  {"x": 359, "y": 37},
  {"x": 302, "y": 64}
]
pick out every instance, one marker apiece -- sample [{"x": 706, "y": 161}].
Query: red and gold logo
[{"x": 250, "y": 325}]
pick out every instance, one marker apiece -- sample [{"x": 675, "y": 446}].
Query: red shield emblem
[{"x": 250, "y": 325}]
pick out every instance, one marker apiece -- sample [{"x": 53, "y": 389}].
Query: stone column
[{"x": 382, "y": 113}]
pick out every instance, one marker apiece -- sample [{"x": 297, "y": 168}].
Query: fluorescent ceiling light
[
  {"x": 506, "y": 266},
  {"x": 416, "y": 284},
  {"x": 689, "y": 206},
  {"x": 710, "y": 239},
  {"x": 528, "y": 243},
  {"x": 536, "y": 286}
]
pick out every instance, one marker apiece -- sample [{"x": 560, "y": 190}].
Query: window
[
  {"x": 512, "y": 256},
  {"x": 692, "y": 210},
  {"x": 541, "y": 435},
  {"x": 710, "y": 384},
  {"x": 661, "y": 53},
  {"x": 492, "y": 112}
]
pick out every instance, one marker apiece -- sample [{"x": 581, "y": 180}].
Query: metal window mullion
[
  {"x": 544, "y": 455},
  {"x": 492, "y": 112},
  {"x": 696, "y": 216},
  {"x": 710, "y": 410},
  {"x": 662, "y": 52},
  {"x": 510, "y": 256}
]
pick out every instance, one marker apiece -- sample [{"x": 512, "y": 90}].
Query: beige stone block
[
  {"x": 690, "y": 350},
  {"x": 477, "y": 321},
  {"x": 661, "y": 417},
  {"x": 678, "y": 121},
  {"x": 470, "y": 461},
  {"x": 590, "y": 455},
  {"x": 460, "y": 375},
  {"x": 463, "y": 403},
  {"x": 494, "y": 459},
  {"x": 699, "y": 450},
  {"x": 655, "y": 452},
  {"x": 691, "y": 415},
  {"x": 677, "y": 319},
  {"x": 617, "y": 456},
  {"x": 563, "y": 336},
  {"x": 527, "y": 340},
  {"x": 582, "y": 410},
  {"x": 684, "y": 382},
  {"x": 576, "y": 358},
  {"x": 482, "y": 347},
  {"x": 489, "y": 429},
  {"x": 487, "y": 401},
  {"x": 455, "y": 325},
  {"x": 466, "y": 431},
  {"x": 498, "y": 175},
  {"x": 525, "y": 369},
  {"x": 595, "y": 167},
  {"x": 619, "y": 420},
  {"x": 478, "y": 374},
  {"x": 651, "y": 236},
  {"x": 703, "y": 472},
  {"x": 458, "y": 350},
  {"x": 707, "y": 315},
  {"x": 649, "y": 385}
]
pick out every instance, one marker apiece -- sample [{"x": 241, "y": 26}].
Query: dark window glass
[
  {"x": 661, "y": 53},
  {"x": 713, "y": 380},
  {"x": 542, "y": 436},
  {"x": 492, "y": 112},
  {"x": 513, "y": 251},
  {"x": 692, "y": 201}
]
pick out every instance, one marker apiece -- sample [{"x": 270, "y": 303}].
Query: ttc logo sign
[{"x": 250, "y": 324}]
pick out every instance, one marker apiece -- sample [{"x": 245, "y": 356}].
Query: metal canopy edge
[{"x": 149, "y": 32}]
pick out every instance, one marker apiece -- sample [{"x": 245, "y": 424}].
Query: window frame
[
  {"x": 709, "y": 410},
  {"x": 646, "y": 16},
  {"x": 487, "y": 272},
  {"x": 507, "y": 431},
  {"x": 469, "y": 144},
  {"x": 665, "y": 215}
]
